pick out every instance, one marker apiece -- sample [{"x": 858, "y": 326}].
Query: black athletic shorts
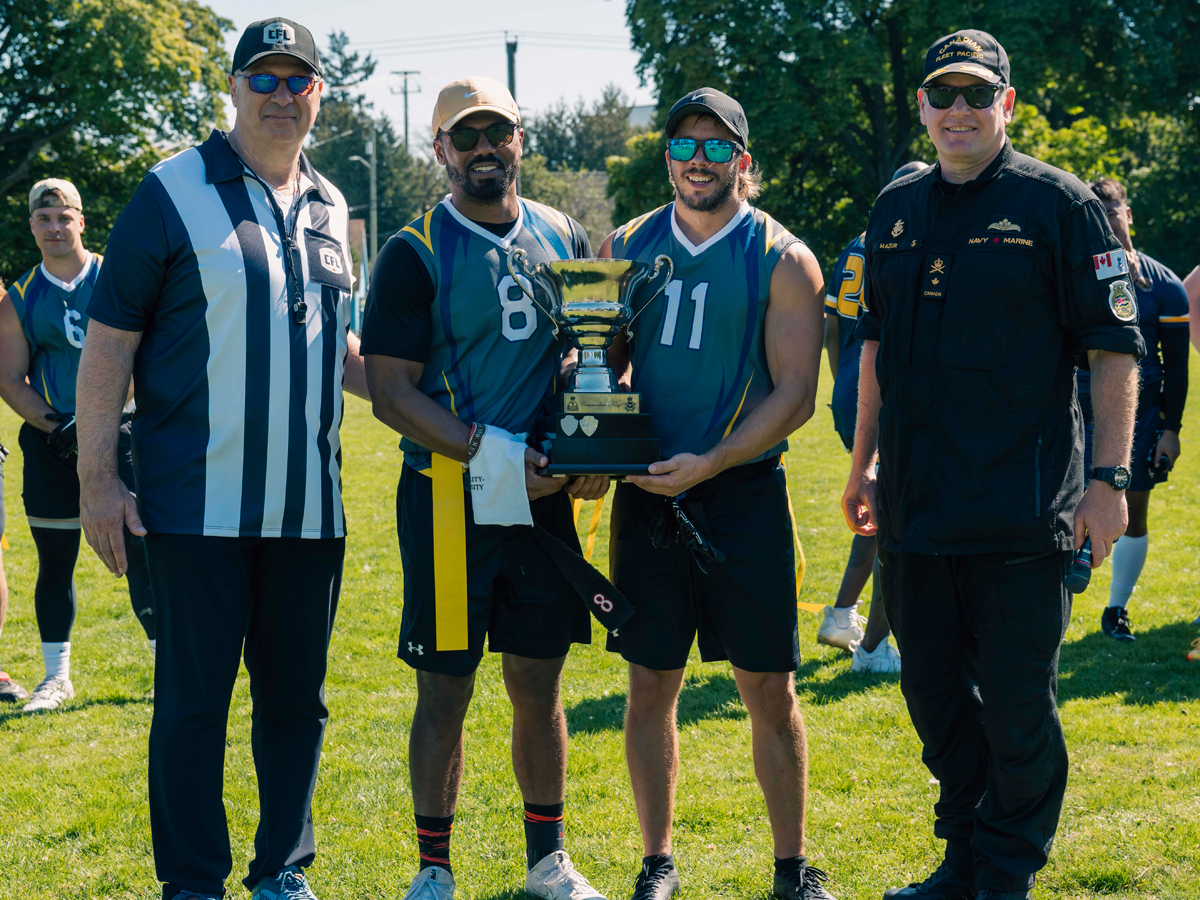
[
  {"x": 743, "y": 609},
  {"x": 515, "y": 594},
  {"x": 50, "y": 485}
]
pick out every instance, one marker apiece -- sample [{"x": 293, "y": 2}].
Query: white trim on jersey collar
[
  {"x": 504, "y": 242},
  {"x": 77, "y": 280},
  {"x": 742, "y": 212}
]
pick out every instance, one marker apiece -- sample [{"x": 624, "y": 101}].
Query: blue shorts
[
  {"x": 1146, "y": 432},
  {"x": 845, "y": 412}
]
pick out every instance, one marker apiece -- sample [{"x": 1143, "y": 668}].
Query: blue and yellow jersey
[
  {"x": 844, "y": 299},
  {"x": 698, "y": 353},
  {"x": 54, "y": 318}
]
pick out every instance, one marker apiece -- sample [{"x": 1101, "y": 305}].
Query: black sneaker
[
  {"x": 944, "y": 884},
  {"x": 803, "y": 885},
  {"x": 656, "y": 882},
  {"x": 992, "y": 894},
  {"x": 1114, "y": 622}
]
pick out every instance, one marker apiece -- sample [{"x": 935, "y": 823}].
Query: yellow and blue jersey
[{"x": 844, "y": 300}]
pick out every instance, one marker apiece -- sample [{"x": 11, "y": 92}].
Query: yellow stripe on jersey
[
  {"x": 22, "y": 288},
  {"x": 45, "y": 387},
  {"x": 556, "y": 219},
  {"x": 1172, "y": 319},
  {"x": 424, "y": 238},
  {"x": 636, "y": 224},
  {"x": 729, "y": 427},
  {"x": 772, "y": 236},
  {"x": 453, "y": 408},
  {"x": 449, "y": 554}
]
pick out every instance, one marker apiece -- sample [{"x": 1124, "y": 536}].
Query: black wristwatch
[{"x": 1117, "y": 476}]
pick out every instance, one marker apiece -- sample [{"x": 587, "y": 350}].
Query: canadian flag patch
[{"x": 1110, "y": 265}]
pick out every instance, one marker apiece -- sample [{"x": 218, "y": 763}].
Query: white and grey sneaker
[
  {"x": 883, "y": 660},
  {"x": 841, "y": 627},
  {"x": 286, "y": 884},
  {"x": 555, "y": 878},
  {"x": 50, "y": 694},
  {"x": 10, "y": 691},
  {"x": 431, "y": 883}
]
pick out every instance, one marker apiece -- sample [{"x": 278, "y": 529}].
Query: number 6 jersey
[
  {"x": 441, "y": 294},
  {"x": 54, "y": 317},
  {"x": 699, "y": 359}
]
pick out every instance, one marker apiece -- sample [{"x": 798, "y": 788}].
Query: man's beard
[
  {"x": 726, "y": 182},
  {"x": 491, "y": 191}
]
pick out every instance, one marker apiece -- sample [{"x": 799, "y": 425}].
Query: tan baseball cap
[
  {"x": 69, "y": 193},
  {"x": 471, "y": 95}
]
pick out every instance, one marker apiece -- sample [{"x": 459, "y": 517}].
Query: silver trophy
[{"x": 599, "y": 430}]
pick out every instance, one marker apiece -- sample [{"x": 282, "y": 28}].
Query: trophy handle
[
  {"x": 660, "y": 261},
  {"x": 516, "y": 257}
]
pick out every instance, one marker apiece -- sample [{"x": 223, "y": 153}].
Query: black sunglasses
[
  {"x": 716, "y": 150},
  {"x": 300, "y": 85},
  {"x": 978, "y": 96},
  {"x": 499, "y": 134}
]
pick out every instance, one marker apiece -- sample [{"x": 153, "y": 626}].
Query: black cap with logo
[
  {"x": 970, "y": 52},
  {"x": 270, "y": 36},
  {"x": 710, "y": 101}
]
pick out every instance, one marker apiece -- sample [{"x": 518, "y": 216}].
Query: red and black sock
[
  {"x": 433, "y": 840},
  {"x": 544, "y": 831}
]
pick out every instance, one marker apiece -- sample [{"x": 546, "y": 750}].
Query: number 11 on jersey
[{"x": 674, "y": 293}]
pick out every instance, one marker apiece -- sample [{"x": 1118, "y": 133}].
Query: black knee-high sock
[
  {"x": 433, "y": 840},
  {"x": 138, "y": 576},
  {"x": 544, "y": 832},
  {"x": 54, "y": 593}
]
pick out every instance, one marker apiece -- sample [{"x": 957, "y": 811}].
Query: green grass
[{"x": 74, "y": 822}]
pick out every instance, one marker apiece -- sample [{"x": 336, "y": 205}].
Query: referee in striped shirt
[{"x": 225, "y": 294}]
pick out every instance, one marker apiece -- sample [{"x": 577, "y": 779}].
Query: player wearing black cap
[{"x": 990, "y": 277}]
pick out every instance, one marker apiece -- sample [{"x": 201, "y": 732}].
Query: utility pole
[
  {"x": 406, "y": 90},
  {"x": 371, "y": 163},
  {"x": 511, "y": 47}
]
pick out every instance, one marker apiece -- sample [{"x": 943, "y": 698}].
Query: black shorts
[
  {"x": 744, "y": 609},
  {"x": 515, "y": 594},
  {"x": 50, "y": 485}
]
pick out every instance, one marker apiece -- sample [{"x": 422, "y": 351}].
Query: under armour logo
[{"x": 419, "y": 649}]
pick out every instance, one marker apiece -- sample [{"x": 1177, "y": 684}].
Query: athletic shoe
[
  {"x": 49, "y": 695},
  {"x": 431, "y": 883},
  {"x": 286, "y": 884},
  {"x": 1114, "y": 622},
  {"x": 10, "y": 691},
  {"x": 944, "y": 884},
  {"x": 555, "y": 878},
  {"x": 990, "y": 894},
  {"x": 192, "y": 895},
  {"x": 1193, "y": 655},
  {"x": 803, "y": 885},
  {"x": 883, "y": 660},
  {"x": 657, "y": 883},
  {"x": 841, "y": 627}
]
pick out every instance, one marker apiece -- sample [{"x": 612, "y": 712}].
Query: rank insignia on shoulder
[
  {"x": 1121, "y": 302},
  {"x": 1006, "y": 223},
  {"x": 898, "y": 228},
  {"x": 939, "y": 267}
]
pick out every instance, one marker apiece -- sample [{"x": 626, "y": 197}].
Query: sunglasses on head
[
  {"x": 716, "y": 150},
  {"x": 499, "y": 134},
  {"x": 300, "y": 85},
  {"x": 978, "y": 96}
]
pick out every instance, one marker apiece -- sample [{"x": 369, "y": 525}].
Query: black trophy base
[{"x": 605, "y": 434}]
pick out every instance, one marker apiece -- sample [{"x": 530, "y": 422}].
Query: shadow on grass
[
  {"x": 73, "y": 706},
  {"x": 819, "y": 692},
  {"x": 507, "y": 894},
  {"x": 1150, "y": 670},
  {"x": 701, "y": 697}
]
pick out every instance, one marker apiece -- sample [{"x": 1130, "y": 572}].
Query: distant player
[
  {"x": 727, "y": 362},
  {"x": 842, "y": 625},
  {"x": 1163, "y": 320},
  {"x": 10, "y": 691},
  {"x": 43, "y": 318}
]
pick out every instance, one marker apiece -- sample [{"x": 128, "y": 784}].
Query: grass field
[{"x": 74, "y": 822}]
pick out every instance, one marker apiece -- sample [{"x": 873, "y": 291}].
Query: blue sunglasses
[{"x": 300, "y": 85}]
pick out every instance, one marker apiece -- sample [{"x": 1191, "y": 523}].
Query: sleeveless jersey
[
  {"x": 54, "y": 321},
  {"x": 843, "y": 300},
  {"x": 493, "y": 356},
  {"x": 699, "y": 358}
]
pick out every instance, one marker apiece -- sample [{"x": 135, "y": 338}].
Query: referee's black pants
[
  {"x": 979, "y": 635},
  {"x": 219, "y": 599}
]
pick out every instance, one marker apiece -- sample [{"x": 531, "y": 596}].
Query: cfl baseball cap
[
  {"x": 711, "y": 102},
  {"x": 270, "y": 36},
  {"x": 473, "y": 94},
  {"x": 70, "y": 194},
  {"x": 969, "y": 52}
]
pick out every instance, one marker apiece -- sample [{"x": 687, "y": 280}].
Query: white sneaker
[
  {"x": 555, "y": 878},
  {"x": 431, "y": 883},
  {"x": 49, "y": 694},
  {"x": 841, "y": 627},
  {"x": 883, "y": 660}
]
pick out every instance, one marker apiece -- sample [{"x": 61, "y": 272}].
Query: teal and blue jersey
[
  {"x": 698, "y": 352},
  {"x": 844, "y": 300},
  {"x": 54, "y": 317}
]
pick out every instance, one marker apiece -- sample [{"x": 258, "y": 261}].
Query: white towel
[{"x": 498, "y": 494}]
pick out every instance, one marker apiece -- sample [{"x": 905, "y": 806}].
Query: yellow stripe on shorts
[{"x": 449, "y": 554}]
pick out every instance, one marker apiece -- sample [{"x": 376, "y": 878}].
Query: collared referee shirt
[{"x": 238, "y": 376}]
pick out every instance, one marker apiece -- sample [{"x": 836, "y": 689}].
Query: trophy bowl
[{"x": 599, "y": 431}]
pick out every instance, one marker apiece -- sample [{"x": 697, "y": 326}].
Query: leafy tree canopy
[{"x": 575, "y": 138}]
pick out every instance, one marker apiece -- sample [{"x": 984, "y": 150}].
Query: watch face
[{"x": 1121, "y": 478}]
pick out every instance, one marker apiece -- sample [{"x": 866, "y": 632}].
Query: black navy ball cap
[
  {"x": 970, "y": 52},
  {"x": 268, "y": 37},
  {"x": 712, "y": 102}
]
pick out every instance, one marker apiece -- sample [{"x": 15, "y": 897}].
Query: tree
[
  {"x": 97, "y": 91},
  {"x": 578, "y": 138}
]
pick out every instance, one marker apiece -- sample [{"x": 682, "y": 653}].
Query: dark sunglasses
[
  {"x": 715, "y": 150},
  {"x": 499, "y": 134},
  {"x": 300, "y": 85},
  {"x": 978, "y": 96}
]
